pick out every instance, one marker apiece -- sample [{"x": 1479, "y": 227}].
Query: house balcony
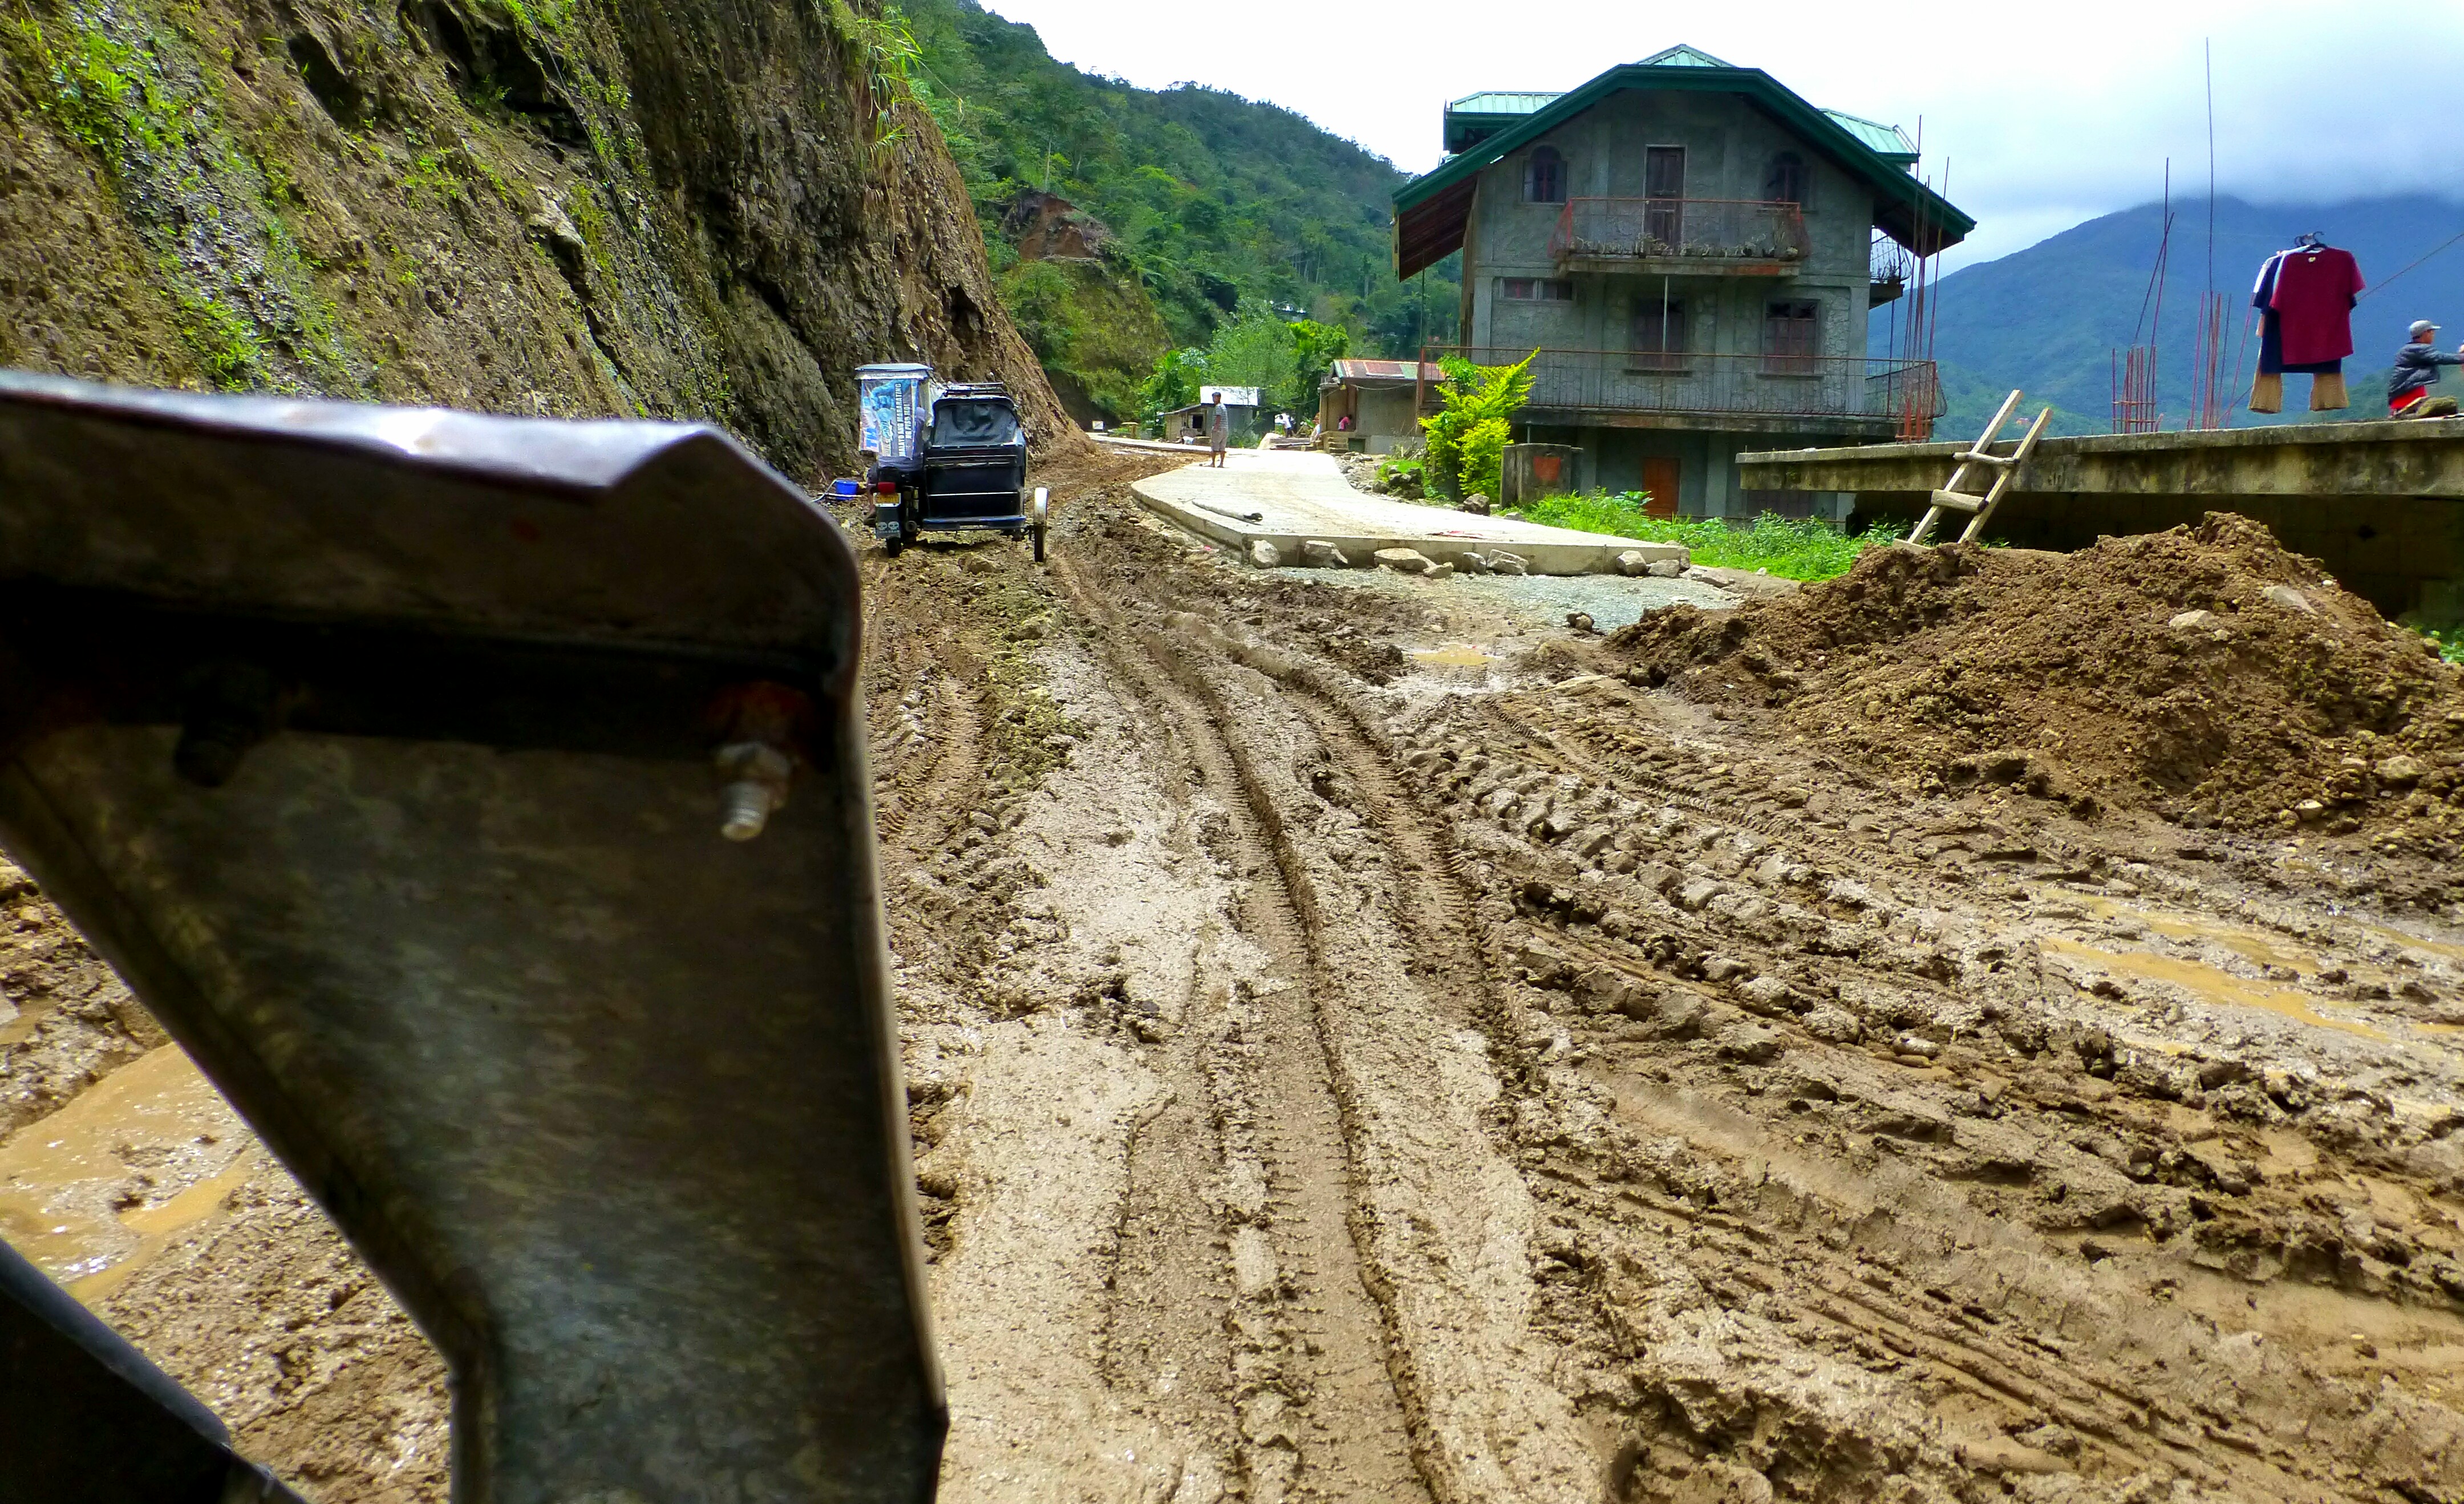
[
  {"x": 1846, "y": 395},
  {"x": 1688, "y": 236},
  {"x": 1890, "y": 268}
]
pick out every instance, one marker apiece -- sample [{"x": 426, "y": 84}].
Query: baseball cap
[{"x": 2422, "y": 326}]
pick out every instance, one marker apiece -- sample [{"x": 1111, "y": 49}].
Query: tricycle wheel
[{"x": 1043, "y": 512}]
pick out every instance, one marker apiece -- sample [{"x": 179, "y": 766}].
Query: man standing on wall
[{"x": 1218, "y": 431}]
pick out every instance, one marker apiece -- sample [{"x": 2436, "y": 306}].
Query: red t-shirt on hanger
[{"x": 2315, "y": 292}]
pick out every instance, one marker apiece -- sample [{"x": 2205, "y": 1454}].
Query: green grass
[
  {"x": 1795, "y": 549},
  {"x": 2450, "y": 641}
]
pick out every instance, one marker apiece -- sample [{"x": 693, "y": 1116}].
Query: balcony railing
[
  {"x": 1905, "y": 394},
  {"x": 1698, "y": 233}
]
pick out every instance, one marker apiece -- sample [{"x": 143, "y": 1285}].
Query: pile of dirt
[{"x": 2206, "y": 672}]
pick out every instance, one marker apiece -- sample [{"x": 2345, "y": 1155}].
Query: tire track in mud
[
  {"x": 931, "y": 789},
  {"x": 2125, "y": 1425},
  {"x": 1321, "y": 1413},
  {"x": 1898, "y": 1291},
  {"x": 1550, "y": 746},
  {"x": 1974, "y": 1360},
  {"x": 2133, "y": 1428},
  {"x": 926, "y": 764}
]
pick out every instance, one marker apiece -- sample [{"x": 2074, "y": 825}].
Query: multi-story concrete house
[{"x": 1696, "y": 252}]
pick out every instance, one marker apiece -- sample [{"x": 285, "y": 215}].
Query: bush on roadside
[
  {"x": 1466, "y": 438},
  {"x": 2448, "y": 640},
  {"x": 1793, "y": 548},
  {"x": 1404, "y": 474}
]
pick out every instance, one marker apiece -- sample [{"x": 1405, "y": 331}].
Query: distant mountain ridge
[{"x": 2047, "y": 319}]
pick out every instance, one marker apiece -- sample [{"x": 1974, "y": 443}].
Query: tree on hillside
[
  {"x": 1174, "y": 385},
  {"x": 1215, "y": 198},
  {"x": 1315, "y": 348},
  {"x": 1255, "y": 349}
]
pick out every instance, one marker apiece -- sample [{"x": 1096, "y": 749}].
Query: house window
[
  {"x": 1544, "y": 177},
  {"x": 1787, "y": 181},
  {"x": 1538, "y": 289},
  {"x": 1792, "y": 337},
  {"x": 1658, "y": 342}
]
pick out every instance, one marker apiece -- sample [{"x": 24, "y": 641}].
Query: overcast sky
[{"x": 2044, "y": 115}]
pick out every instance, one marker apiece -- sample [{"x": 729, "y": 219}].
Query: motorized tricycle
[{"x": 945, "y": 458}]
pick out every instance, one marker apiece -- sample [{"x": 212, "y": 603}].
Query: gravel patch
[{"x": 1612, "y": 601}]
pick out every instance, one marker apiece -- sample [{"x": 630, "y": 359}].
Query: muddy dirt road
[{"x": 1345, "y": 1064}]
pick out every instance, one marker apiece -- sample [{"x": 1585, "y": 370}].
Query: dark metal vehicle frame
[
  {"x": 969, "y": 473},
  {"x": 386, "y": 754}
]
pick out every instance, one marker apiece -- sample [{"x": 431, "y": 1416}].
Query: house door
[
  {"x": 1663, "y": 192},
  {"x": 1659, "y": 480}
]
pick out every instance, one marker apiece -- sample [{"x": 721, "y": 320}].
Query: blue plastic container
[{"x": 846, "y": 490}]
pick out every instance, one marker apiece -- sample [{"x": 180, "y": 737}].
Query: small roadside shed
[
  {"x": 1380, "y": 397},
  {"x": 1188, "y": 425}
]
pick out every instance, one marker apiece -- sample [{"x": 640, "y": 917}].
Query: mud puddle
[
  {"x": 89, "y": 1193},
  {"x": 2208, "y": 985},
  {"x": 1455, "y": 665}
]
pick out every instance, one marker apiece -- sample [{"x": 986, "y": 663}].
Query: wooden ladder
[{"x": 1951, "y": 499}]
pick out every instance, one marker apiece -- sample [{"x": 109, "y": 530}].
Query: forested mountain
[
  {"x": 1208, "y": 198},
  {"x": 2047, "y": 319}
]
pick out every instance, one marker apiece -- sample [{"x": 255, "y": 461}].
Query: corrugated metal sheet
[
  {"x": 1682, "y": 55},
  {"x": 1887, "y": 141},
  {"x": 1380, "y": 373},
  {"x": 1500, "y": 103}
]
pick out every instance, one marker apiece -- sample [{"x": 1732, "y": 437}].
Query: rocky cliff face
[{"x": 691, "y": 209}]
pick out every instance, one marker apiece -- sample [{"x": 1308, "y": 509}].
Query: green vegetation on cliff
[
  {"x": 1210, "y": 200},
  {"x": 702, "y": 208}
]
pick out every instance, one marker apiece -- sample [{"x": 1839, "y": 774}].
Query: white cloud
[{"x": 2039, "y": 113}]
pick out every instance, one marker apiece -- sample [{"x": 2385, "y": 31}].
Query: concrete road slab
[{"x": 1287, "y": 499}]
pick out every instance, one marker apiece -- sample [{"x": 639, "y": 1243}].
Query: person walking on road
[
  {"x": 2416, "y": 371},
  {"x": 1218, "y": 431}
]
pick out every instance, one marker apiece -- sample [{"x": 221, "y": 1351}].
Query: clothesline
[{"x": 2426, "y": 256}]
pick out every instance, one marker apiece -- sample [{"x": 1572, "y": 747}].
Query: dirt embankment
[
  {"x": 687, "y": 210},
  {"x": 2206, "y": 673}
]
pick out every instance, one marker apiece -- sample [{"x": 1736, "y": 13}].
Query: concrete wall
[
  {"x": 1387, "y": 413},
  {"x": 2381, "y": 504},
  {"x": 1611, "y": 459}
]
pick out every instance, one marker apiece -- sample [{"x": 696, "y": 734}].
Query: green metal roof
[
  {"x": 1682, "y": 55},
  {"x": 1431, "y": 210},
  {"x": 1476, "y": 117},
  {"x": 1888, "y": 141},
  {"x": 1500, "y": 103}
]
